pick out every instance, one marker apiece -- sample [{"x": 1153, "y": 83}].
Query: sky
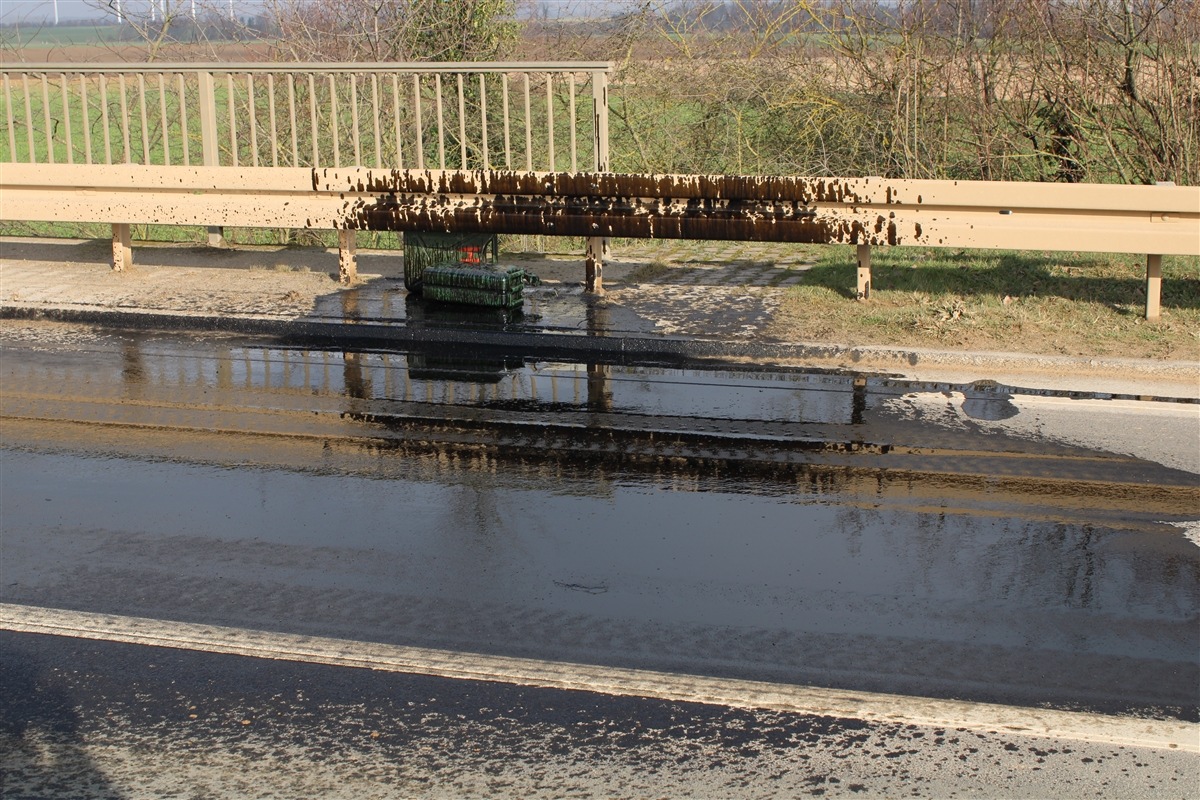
[{"x": 38, "y": 11}]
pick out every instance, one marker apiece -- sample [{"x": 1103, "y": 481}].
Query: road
[{"x": 880, "y": 586}]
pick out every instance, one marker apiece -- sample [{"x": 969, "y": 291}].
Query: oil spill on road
[{"x": 774, "y": 524}]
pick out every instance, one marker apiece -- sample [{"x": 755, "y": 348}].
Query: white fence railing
[{"x": 525, "y": 116}]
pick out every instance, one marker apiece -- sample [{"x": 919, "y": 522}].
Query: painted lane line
[{"x": 870, "y": 707}]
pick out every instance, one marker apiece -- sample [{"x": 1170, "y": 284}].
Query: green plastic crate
[{"x": 496, "y": 287}]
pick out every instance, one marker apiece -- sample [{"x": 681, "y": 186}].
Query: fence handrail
[{"x": 340, "y": 67}]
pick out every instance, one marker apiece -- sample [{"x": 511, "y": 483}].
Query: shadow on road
[{"x": 41, "y": 746}]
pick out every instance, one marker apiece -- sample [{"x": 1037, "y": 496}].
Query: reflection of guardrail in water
[
  {"x": 1152, "y": 220},
  {"x": 335, "y": 380}
]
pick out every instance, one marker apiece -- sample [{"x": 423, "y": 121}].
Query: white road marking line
[{"x": 866, "y": 706}]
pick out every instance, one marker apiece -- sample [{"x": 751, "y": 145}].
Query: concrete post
[
  {"x": 597, "y": 247},
  {"x": 1153, "y": 287},
  {"x": 347, "y": 250},
  {"x": 122, "y": 247},
  {"x": 864, "y": 272}
]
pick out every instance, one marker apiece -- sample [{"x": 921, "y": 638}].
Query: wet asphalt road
[
  {"x": 88, "y": 719},
  {"x": 838, "y": 530}
]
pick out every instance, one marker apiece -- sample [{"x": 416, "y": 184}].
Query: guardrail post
[
  {"x": 347, "y": 250},
  {"x": 864, "y": 272},
  {"x": 122, "y": 247},
  {"x": 1153, "y": 287},
  {"x": 594, "y": 264},
  {"x": 597, "y": 246},
  {"x": 208, "y": 139}
]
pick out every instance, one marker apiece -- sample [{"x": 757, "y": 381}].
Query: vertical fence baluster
[
  {"x": 528, "y": 128},
  {"x": 375, "y": 117},
  {"x": 441, "y": 121},
  {"x": 49, "y": 124},
  {"x": 28, "y": 119},
  {"x": 66, "y": 104},
  {"x": 162, "y": 115},
  {"x": 9, "y": 119},
  {"x": 417, "y": 112},
  {"x": 104, "y": 120},
  {"x": 396, "y": 120},
  {"x": 354, "y": 119},
  {"x": 184, "y": 133},
  {"x": 271, "y": 117},
  {"x": 483, "y": 137},
  {"x": 600, "y": 121},
  {"x": 507, "y": 136},
  {"x": 333, "y": 117},
  {"x": 144, "y": 117},
  {"x": 291, "y": 84},
  {"x": 206, "y": 105},
  {"x": 550, "y": 120},
  {"x": 85, "y": 121},
  {"x": 574, "y": 146},
  {"x": 252, "y": 110},
  {"x": 232, "y": 99},
  {"x": 312, "y": 112},
  {"x": 124, "y": 122},
  {"x": 462, "y": 124}
]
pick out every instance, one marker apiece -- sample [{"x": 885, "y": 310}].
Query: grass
[
  {"x": 65, "y": 35},
  {"x": 648, "y": 273},
  {"x": 1068, "y": 304},
  {"x": 192, "y": 234}
]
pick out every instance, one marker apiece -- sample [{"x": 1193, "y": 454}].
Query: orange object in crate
[{"x": 468, "y": 254}]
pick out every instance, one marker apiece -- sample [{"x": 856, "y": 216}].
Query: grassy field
[
  {"x": 1053, "y": 303},
  {"x": 34, "y": 36}
]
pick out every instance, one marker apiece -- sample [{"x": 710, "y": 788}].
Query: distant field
[
  {"x": 99, "y": 43},
  {"x": 50, "y": 36}
]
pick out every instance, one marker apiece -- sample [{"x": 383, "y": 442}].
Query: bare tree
[{"x": 393, "y": 30}]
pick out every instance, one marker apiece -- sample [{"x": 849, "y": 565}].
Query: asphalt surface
[
  {"x": 582, "y": 489},
  {"x": 88, "y": 719}
]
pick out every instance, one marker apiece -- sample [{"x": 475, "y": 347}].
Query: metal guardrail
[
  {"x": 543, "y": 116},
  {"x": 1152, "y": 220}
]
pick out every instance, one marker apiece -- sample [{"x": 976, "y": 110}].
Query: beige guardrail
[{"x": 1150, "y": 220}]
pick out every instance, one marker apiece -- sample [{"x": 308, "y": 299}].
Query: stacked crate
[{"x": 491, "y": 287}]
